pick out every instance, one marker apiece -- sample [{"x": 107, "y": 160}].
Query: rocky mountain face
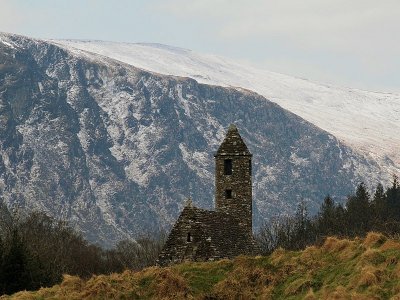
[
  {"x": 116, "y": 150},
  {"x": 368, "y": 122}
]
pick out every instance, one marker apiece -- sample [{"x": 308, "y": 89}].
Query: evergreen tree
[
  {"x": 393, "y": 199},
  {"x": 379, "y": 207},
  {"x": 360, "y": 216},
  {"x": 326, "y": 222},
  {"x": 342, "y": 228},
  {"x": 359, "y": 211}
]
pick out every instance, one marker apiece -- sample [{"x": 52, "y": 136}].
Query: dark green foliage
[
  {"x": 303, "y": 229},
  {"x": 379, "y": 204},
  {"x": 360, "y": 215},
  {"x": 358, "y": 211},
  {"x": 14, "y": 274},
  {"x": 36, "y": 250},
  {"x": 393, "y": 199},
  {"x": 327, "y": 217}
]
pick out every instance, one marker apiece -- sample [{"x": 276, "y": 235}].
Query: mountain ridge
[
  {"x": 116, "y": 150},
  {"x": 370, "y": 127}
]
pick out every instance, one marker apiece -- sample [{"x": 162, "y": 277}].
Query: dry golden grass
[
  {"x": 390, "y": 245},
  {"x": 310, "y": 295},
  {"x": 309, "y": 258},
  {"x": 278, "y": 256},
  {"x": 344, "y": 248},
  {"x": 357, "y": 296},
  {"x": 372, "y": 256},
  {"x": 339, "y": 293},
  {"x": 245, "y": 283},
  {"x": 374, "y": 239},
  {"x": 369, "y": 276},
  {"x": 169, "y": 285},
  {"x": 339, "y": 269},
  {"x": 299, "y": 286},
  {"x": 334, "y": 245},
  {"x": 396, "y": 271}
]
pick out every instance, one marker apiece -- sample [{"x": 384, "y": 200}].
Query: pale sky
[{"x": 348, "y": 43}]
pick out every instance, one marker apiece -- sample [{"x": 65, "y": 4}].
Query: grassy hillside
[{"x": 339, "y": 269}]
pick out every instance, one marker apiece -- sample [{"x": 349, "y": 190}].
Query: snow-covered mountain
[
  {"x": 367, "y": 121},
  {"x": 116, "y": 150}
]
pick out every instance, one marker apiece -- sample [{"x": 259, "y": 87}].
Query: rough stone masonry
[{"x": 201, "y": 235}]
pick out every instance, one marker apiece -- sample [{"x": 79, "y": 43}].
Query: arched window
[{"x": 189, "y": 238}]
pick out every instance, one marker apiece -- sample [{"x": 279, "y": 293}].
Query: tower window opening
[
  {"x": 189, "y": 237},
  {"x": 228, "y": 166},
  {"x": 228, "y": 194}
]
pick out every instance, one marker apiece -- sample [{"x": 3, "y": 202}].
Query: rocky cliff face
[{"x": 116, "y": 150}]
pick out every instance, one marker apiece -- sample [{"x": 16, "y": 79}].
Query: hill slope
[
  {"x": 339, "y": 269},
  {"x": 116, "y": 150},
  {"x": 367, "y": 121}
]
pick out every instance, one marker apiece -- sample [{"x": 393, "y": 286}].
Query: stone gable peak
[{"x": 233, "y": 144}]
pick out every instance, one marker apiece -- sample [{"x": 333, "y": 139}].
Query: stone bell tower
[{"x": 233, "y": 184}]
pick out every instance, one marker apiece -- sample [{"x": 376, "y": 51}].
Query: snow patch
[
  {"x": 196, "y": 161},
  {"x": 367, "y": 121},
  {"x": 40, "y": 86},
  {"x": 7, "y": 43},
  {"x": 298, "y": 161}
]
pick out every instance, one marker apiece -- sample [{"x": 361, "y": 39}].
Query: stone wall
[{"x": 214, "y": 235}]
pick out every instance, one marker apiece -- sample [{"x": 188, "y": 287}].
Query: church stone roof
[
  {"x": 215, "y": 235},
  {"x": 233, "y": 144},
  {"x": 228, "y": 238}
]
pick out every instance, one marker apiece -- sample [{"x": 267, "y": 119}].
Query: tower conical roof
[{"x": 233, "y": 143}]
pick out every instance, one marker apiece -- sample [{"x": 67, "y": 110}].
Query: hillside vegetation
[{"x": 338, "y": 269}]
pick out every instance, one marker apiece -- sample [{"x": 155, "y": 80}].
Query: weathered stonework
[
  {"x": 201, "y": 235},
  {"x": 239, "y": 204}
]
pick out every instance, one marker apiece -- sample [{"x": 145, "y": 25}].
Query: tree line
[
  {"x": 36, "y": 250},
  {"x": 360, "y": 214}
]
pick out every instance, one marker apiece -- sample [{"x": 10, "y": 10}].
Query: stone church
[{"x": 226, "y": 232}]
